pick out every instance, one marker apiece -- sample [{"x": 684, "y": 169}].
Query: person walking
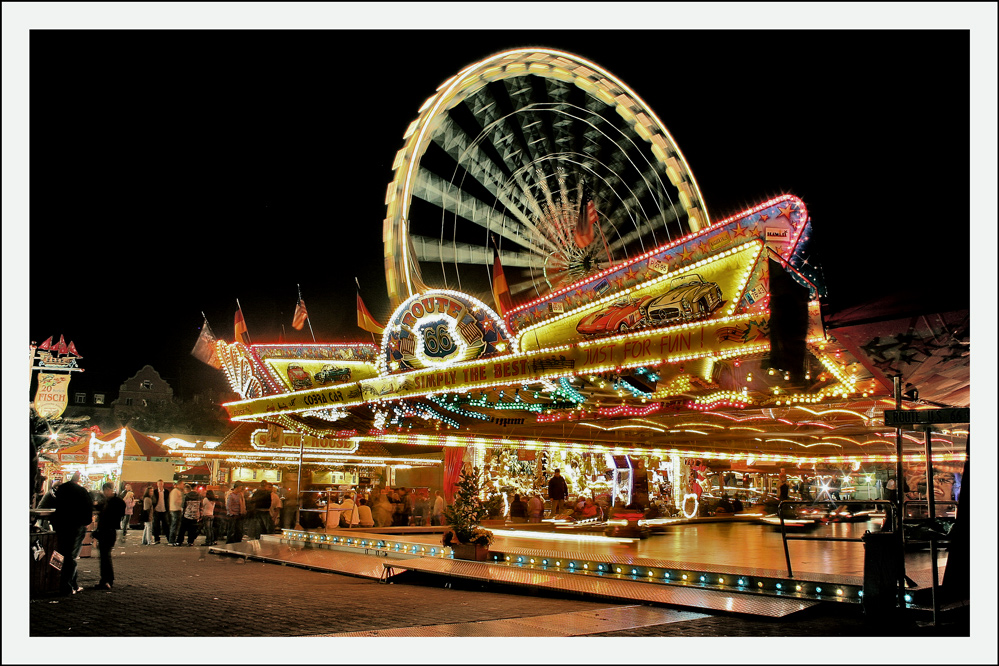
[
  {"x": 129, "y": 498},
  {"x": 146, "y": 518},
  {"x": 161, "y": 524},
  {"x": 176, "y": 507},
  {"x": 235, "y": 510},
  {"x": 558, "y": 492},
  {"x": 112, "y": 509},
  {"x": 73, "y": 513},
  {"x": 437, "y": 512}
]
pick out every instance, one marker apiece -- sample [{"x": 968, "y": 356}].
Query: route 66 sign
[{"x": 439, "y": 328}]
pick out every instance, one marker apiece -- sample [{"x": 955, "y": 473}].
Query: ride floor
[{"x": 748, "y": 557}]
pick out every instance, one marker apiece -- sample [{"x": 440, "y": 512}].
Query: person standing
[
  {"x": 558, "y": 492},
  {"x": 108, "y": 520},
  {"x": 209, "y": 509},
  {"x": 276, "y": 504},
  {"x": 535, "y": 508},
  {"x": 160, "y": 504},
  {"x": 518, "y": 510},
  {"x": 235, "y": 511},
  {"x": 176, "y": 507},
  {"x": 129, "y": 498},
  {"x": 261, "y": 503},
  {"x": 147, "y": 517},
  {"x": 437, "y": 512},
  {"x": 191, "y": 518},
  {"x": 73, "y": 513}
]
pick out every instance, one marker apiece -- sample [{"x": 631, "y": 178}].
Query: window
[
  {"x": 81, "y": 398},
  {"x": 128, "y": 402},
  {"x": 145, "y": 403},
  {"x": 98, "y": 398},
  {"x": 147, "y": 385}
]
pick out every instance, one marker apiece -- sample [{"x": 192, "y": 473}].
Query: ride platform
[{"x": 619, "y": 574}]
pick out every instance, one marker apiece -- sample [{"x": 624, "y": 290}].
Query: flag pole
[
  {"x": 358, "y": 283},
  {"x": 240, "y": 307},
  {"x": 307, "y": 318}
]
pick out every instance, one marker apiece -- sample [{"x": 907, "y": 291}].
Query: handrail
[{"x": 783, "y": 529}]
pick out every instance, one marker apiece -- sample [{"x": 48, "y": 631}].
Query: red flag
[
  {"x": 242, "y": 335},
  {"x": 47, "y": 345},
  {"x": 72, "y": 350},
  {"x": 365, "y": 320},
  {"x": 61, "y": 346},
  {"x": 583, "y": 233},
  {"x": 301, "y": 314},
  {"x": 501, "y": 292}
]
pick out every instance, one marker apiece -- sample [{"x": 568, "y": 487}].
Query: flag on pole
[
  {"x": 204, "y": 347},
  {"x": 47, "y": 345},
  {"x": 365, "y": 320},
  {"x": 501, "y": 292},
  {"x": 61, "y": 346},
  {"x": 587, "y": 220},
  {"x": 242, "y": 335},
  {"x": 301, "y": 314},
  {"x": 72, "y": 350}
]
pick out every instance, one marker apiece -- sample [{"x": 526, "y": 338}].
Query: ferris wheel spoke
[
  {"x": 431, "y": 250},
  {"x": 435, "y": 190}
]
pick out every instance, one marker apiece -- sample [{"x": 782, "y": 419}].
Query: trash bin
[
  {"x": 881, "y": 571},
  {"x": 44, "y": 578}
]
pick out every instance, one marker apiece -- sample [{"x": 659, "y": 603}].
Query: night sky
[{"x": 174, "y": 172}]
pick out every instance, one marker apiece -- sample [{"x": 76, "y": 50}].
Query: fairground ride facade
[{"x": 565, "y": 298}]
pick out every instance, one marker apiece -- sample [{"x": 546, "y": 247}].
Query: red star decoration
[
  {"x": 619, "y": 281},
  {"x": 764, "y": 217},
  {"x": 786, "y": 212},
  {"x": 487, "y": 324},
  {"x": 630, "y": 274}
]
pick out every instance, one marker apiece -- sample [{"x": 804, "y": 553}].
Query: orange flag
[{"x": 365, "y": 320}]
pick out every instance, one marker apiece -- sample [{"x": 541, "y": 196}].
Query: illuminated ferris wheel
[{"x": 542, "y": 157}]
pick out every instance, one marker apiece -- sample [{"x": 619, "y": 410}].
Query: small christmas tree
[{"x": 465, "y": 513}]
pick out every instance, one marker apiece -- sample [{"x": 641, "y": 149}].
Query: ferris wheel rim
[{"x": 403, "y": 277}]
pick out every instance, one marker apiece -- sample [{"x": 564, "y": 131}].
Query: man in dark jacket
[
  {"x": 73, "y": 514},
  {"x": 558, "y": 492},
  {"x": 108, "y": 521},
  {"x": 261, "y": 502}
]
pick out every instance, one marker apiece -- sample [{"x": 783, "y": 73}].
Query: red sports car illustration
[{"x": 621, "y": 316}]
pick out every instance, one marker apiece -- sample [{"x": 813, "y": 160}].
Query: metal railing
[
  {"x": 933, "y": 541},
  {"x": 889, "y": 511}
]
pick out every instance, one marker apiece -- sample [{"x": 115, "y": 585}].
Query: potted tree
[{"x": 465, "y": 536}]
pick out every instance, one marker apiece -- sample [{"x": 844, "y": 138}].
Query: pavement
[{"x": 166, "y": 591}]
